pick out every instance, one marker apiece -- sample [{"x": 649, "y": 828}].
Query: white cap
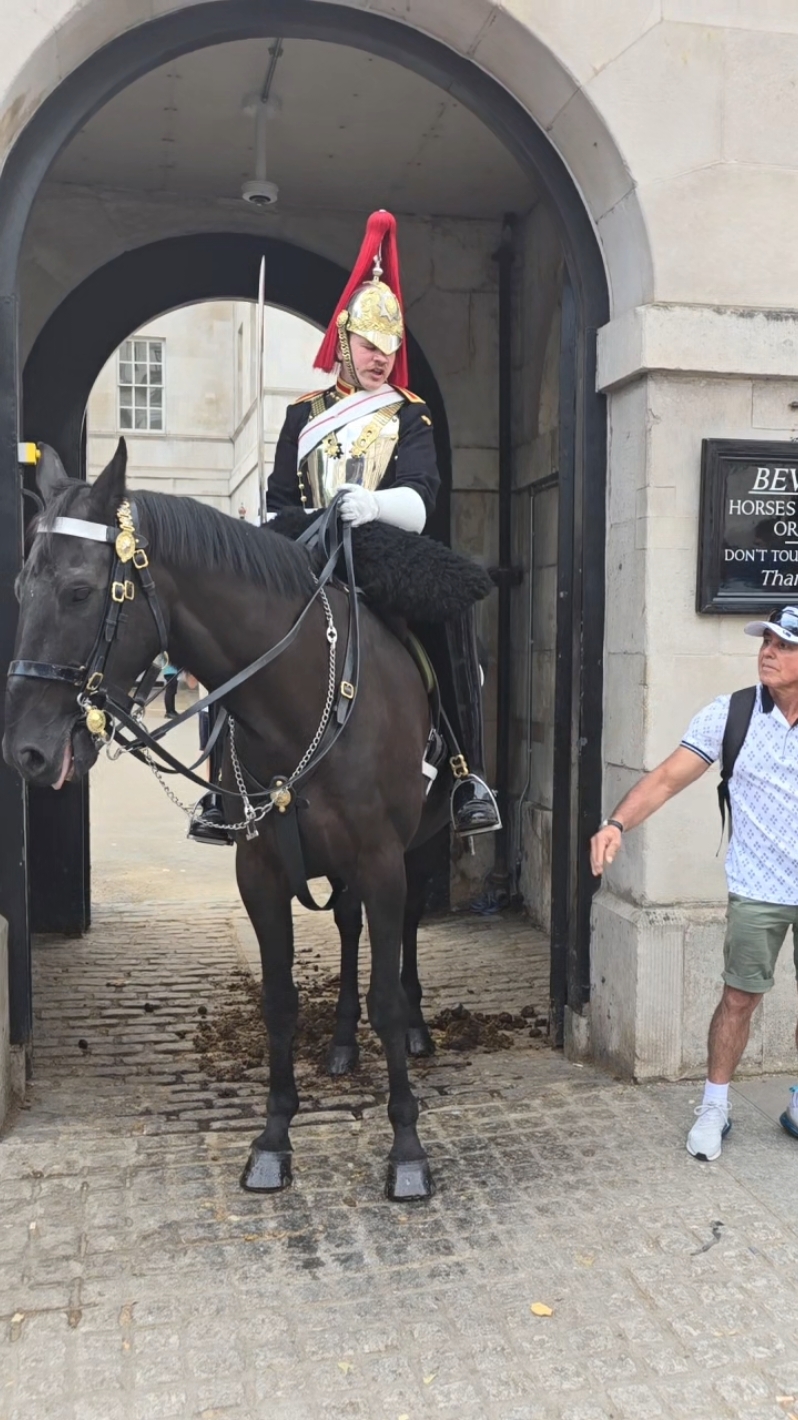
[{"x": 783, "y": 623}]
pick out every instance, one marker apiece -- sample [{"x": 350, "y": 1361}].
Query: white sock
[{"x": 716, "y": 1094}]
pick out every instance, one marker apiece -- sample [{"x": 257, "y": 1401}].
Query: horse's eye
[{"x": 79, "y": 594}]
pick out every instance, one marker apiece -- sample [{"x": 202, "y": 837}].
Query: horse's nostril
[{"x": 31, "y": 760}]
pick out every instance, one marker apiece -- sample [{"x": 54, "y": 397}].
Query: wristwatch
[{"x": 611, "y": 823}]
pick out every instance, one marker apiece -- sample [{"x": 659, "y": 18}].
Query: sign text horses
[{"x": 748, "y": 538}]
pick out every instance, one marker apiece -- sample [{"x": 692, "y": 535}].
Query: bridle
[
  {"x": 130, "y": 555},
  {"x": 108, "y": 712}
]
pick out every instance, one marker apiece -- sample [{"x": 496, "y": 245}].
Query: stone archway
[
  {"x": 532, "y": 52},
  {"x": 140, "y": 48}
]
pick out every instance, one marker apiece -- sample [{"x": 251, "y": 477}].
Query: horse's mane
[
  {"x": 189, "y": 534},
  {"x": 186, "y": 534}
]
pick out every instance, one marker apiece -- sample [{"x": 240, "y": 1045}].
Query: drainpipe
[{"x": 505, "y": 576}]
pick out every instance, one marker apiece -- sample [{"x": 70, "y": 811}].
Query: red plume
[{"x": 380, "y": 234}]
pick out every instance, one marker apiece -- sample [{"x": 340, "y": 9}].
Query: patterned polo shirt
[{"x": 762, "y": 858}]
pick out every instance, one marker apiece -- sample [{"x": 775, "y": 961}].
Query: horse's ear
[
  {"x": 109, "y": 489},
  {"x": 50, "y": 473}
]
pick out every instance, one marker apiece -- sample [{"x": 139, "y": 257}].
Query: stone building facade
[
  {"x": 639, "y": 154},
  {"x": 204, "y": 445}
]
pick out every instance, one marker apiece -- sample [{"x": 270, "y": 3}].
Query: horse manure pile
[
  {"x": 233, "y": 1041},
  {"x": 460, "y": 1029}
]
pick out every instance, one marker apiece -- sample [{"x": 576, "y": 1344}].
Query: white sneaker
[
  {"x": 789, "y": 1119},
  {"x": 710, "y": 1129}
]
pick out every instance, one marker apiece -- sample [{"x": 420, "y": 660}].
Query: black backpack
[{"x": 741, "y": 708}]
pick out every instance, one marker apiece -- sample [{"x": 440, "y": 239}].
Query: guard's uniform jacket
[{"x": 394, "y": 448}]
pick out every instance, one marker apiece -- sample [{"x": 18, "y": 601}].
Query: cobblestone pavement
[{"x": 138, "y": 1281}]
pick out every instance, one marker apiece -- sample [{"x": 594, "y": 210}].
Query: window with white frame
[{"x": 141, "y": 385}]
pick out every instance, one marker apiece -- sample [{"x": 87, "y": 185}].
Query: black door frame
[{"x": 577, "y": 797}]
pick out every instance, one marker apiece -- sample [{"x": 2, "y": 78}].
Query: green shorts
[{"x": 755, "y": 932}]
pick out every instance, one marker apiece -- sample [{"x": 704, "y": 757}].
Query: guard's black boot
[
  {"x": 209, "y": 824},
  {"x": 473, "y": 806}
]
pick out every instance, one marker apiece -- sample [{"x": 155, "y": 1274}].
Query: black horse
[{"x": 226, "y": 591}]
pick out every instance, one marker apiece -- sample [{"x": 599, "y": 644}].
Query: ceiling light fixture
[{"x": 259, "y": 191}]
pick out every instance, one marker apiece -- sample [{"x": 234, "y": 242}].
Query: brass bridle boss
[
  {"x": 127, "y": 548},
  {"x": 130, "y": 551}
]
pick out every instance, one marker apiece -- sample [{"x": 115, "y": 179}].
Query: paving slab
[
  {"x": 139, "y": 848},
  {"x": 769, "y": 1093}
]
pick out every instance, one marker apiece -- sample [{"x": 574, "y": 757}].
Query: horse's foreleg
[
  {"x": 343, "y": 1054},
  {"x": 419, "y": 1041},
  {"x": 268, "y": 901},
  {"x": 384, "y": 896}
]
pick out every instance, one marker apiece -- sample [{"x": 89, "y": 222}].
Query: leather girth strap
[{"x": 289, "y": 845}]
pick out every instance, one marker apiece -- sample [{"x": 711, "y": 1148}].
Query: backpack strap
[{"x": 738, "y": 719}]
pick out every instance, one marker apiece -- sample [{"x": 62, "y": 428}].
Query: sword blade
[{"x": 259, "y": 431}]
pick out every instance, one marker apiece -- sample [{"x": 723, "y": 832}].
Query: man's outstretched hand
[
  {"x": 603, "y": 847},
  {"x": 681, "y": 768}
]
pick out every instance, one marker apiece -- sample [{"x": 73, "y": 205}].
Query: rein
[{"x": 100, "y": 703}]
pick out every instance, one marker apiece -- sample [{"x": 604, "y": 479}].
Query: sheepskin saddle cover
[{"x": 400, "y": 573}]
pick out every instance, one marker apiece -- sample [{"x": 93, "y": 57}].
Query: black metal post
[
  {"x": 13, "y": 797},
  {"x": 592, "y": 534},
  {"x": 505, "y": 575},
  {"x": 563, "y": 885},
  {"x": 59, "y": 864}
]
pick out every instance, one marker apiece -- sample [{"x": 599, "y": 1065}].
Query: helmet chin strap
[{"x": 347, "y": 363}]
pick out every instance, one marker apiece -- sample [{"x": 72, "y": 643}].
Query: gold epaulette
[
  {"x": 314, "y": 394},
  {"x": 408, "y": 394}
]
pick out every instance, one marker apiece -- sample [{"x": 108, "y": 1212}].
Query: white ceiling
[{"x": 348, "y": 131}]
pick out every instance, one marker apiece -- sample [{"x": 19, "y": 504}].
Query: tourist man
[{"x": 761, "y": 863}]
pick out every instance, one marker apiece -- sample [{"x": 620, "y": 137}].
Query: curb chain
[{"x": 253, "y": 815}]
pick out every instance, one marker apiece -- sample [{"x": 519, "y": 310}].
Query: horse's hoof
[
  {"x": 342, "y": 1059},
  {"x": 409, "y": 1180},
  {"x": 419, "y": 1042},
  {"x": 266, "y": 1172}
]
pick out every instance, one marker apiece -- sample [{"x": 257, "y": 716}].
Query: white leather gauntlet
[
  {"x": 358, "y": 505},
  {"x": 401, "y": 507}
]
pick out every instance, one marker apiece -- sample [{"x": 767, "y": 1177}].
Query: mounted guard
[
  {"x": 114, "y": 583},
  {"x": 369, "y": 439}
]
